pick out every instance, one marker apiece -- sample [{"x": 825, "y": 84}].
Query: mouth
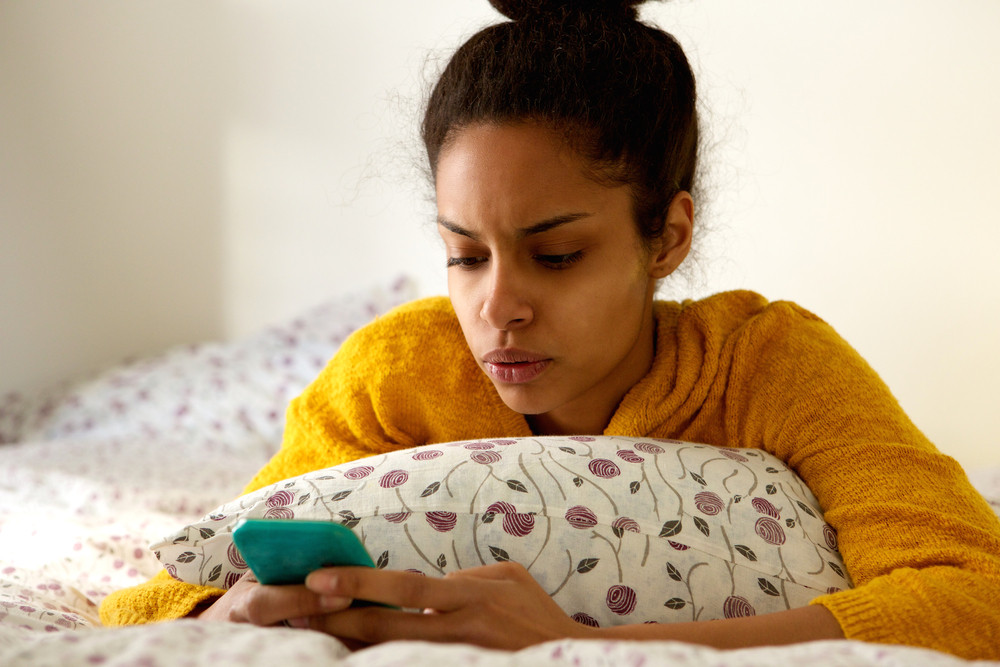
[{"x": 512, "y": 366}]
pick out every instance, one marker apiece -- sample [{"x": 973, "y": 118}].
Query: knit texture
[{"x": 921, "y": 545}]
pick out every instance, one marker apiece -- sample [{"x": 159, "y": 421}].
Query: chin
[{"x": 523, "y": 399}]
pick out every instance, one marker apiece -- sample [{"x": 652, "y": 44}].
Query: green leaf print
[
  {"x": 670, "y": 528},
  {"x": 499, "y": 554}
]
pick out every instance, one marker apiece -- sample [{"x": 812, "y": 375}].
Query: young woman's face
[{"x": 552, "y": 286}]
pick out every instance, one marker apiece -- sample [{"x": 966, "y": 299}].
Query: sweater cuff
[
  {"x": 859, "y": 616},
  {"x": 160, "y": 599}
]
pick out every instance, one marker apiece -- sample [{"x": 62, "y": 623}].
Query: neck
[{"x": 591, "y": 413}]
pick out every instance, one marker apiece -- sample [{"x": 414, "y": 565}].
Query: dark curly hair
[{"x": 621, "y": 92}]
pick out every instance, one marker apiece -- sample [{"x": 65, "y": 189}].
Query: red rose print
[
  {"x": 172, "y": 570},
  {"x": 280, "y": 499},
  {"x": 624, "y": 523},
  {"x": 830, "y": 535},
  {"x": 279, "y": 513},
  {"x": 485, "y": 457},
  {"x": 231, "y": 579},
  {"x": 764, "y": 506},
  {"x": 621, "y": 600},
  {"x": 769, "y": 530},
  {"x": 518, "y": 524},
  {"x": 479, "y": 445},
  {"x": 441, "y": 521},
  {"x": 581, "y": 517},
  {"x": 708, "y": 503},
  {"x": 733, "y": 455},
  {"x": 678, "y": 546},
  {"x": 629, "y": 456},
  {"x": 235, "y": 557},
  {"x": 396, "y": 517},
  {"x": 393, "y": 478},
  {"x": 359, "y": 472},
  {"x": 503, "y": 442},
  {"x": 736, "y": 607},
  {"x": 501, "y": 507},
  {"x": 649, "y": 448},
  {"x": 514, "y": 523},
  {"x": 427, "y": 455},
  {"x": 604, "y": 468},
  {"x": 582, "y": 438},
  {"x": 580, "y": 617}
]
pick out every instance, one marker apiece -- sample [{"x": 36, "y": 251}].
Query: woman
[{"x": 563, "y": 146}]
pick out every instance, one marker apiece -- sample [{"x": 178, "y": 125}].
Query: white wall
[{"x": 175, "y": 170}]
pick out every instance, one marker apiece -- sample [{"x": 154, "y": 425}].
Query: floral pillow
[{"x": 617, "y": 530}]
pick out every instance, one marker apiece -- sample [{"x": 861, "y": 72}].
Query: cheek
[{"x": 463, "y": 292}]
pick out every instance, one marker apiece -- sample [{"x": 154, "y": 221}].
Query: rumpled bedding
[{"x": 93, "y": 471}]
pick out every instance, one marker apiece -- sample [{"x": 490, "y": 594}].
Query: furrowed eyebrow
[
  {"x": 551, "y": 223},
  {"x": 455, "y": 229},
  {"x": 537, "y": 228}
]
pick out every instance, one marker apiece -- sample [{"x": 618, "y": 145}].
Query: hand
[
  {"x": 496, "y": 606},
  {"x": 250, "y": 602}
]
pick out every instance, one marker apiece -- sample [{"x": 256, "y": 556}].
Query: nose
[{"x": 506, "y": 305}]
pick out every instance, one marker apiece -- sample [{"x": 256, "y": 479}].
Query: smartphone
[{"x": 284, "y": 551}]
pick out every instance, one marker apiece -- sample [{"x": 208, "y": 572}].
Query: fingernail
[
  {"x": 301, "y": 622},
  {"x": 334, "y": 602},
  {"x": 318, "y": 581}
]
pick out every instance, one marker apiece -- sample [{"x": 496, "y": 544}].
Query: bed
[{"x": 94, "y": 470}]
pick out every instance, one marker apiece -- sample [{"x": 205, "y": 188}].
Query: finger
[
  {"x": 505, "y": 571},
  {"x": 268, "y": 605},
  {"x": 391, "y": 587},
  {"x": 373, "y": 625}
]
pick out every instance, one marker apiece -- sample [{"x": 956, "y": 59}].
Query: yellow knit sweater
[{"x": 922, "y": 547}]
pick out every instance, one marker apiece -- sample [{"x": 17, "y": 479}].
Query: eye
[
  {"x": 465, "y": 262},
  {"x": 559, "y": 261}
]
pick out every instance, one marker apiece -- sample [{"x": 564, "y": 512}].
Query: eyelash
[
  {"x": 466, "y": 263},
  {"x": 554, "y": 262},
  {"x": 560, "y": 262}
]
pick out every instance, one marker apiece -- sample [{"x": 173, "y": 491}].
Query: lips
[{"x": 513, "y": 366}]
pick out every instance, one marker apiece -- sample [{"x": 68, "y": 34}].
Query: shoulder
[
  {"x": 727, "y": 313},
  {"x": 747, "y": 326},
  {"x": 419, "y": 339},
  {"x": 411, "y": 325},
  {"x": 434, "y": 311}
]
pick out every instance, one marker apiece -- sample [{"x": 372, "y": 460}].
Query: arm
[
  {"x": 922, "y": 547},
  {"x": 501, "y": 606},
  {"x": 363, "y": 403},
  {"x": 319, "y": 432},
  {"x": 405, "y": 380}
]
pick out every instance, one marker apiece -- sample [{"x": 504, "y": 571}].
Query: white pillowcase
[
  {"x": 219, "y": 395},
  {"x": 617, "y": 530}
]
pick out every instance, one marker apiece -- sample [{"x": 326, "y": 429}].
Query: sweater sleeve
[
  {"x": 366, "y": 401},
  {"x": 309, "y": 443},
  {"x": 921, "y": 545},
  {"x": 406, "y": 380}
]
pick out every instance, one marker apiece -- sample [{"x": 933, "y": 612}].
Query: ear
[{"x": 675, "y": 243}]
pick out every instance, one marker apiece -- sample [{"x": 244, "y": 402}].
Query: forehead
[
  {"x": 522, "y": 147},
  {"x": 517, "y": 171}
]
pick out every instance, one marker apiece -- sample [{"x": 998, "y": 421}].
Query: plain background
[{"x": 174, "y": 171}]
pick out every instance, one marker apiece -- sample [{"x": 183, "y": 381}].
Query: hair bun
[{"x": 518, "y": 10}]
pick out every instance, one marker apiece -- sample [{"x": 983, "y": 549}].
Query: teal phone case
[{"x": 284, "y": 551}]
